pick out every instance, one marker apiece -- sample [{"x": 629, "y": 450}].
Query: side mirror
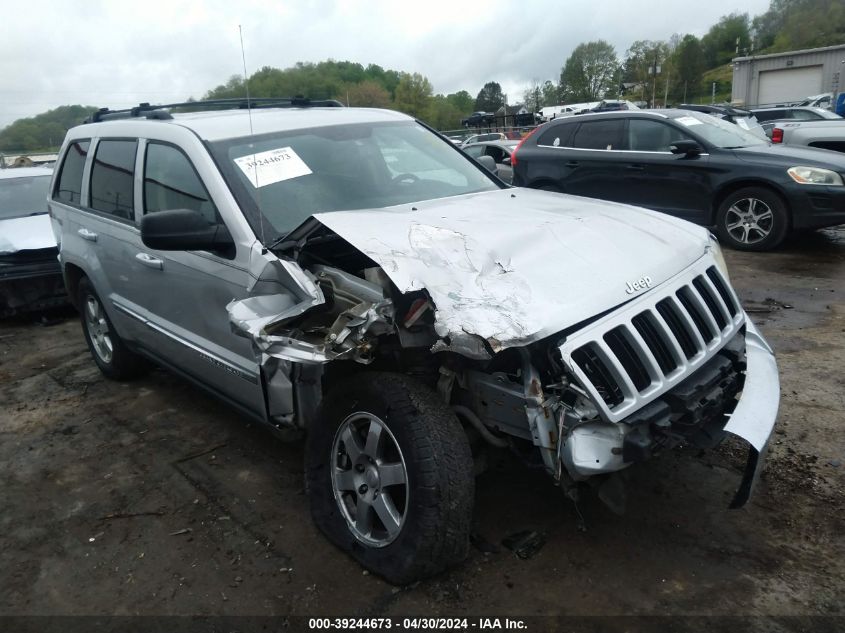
[
  {"x": 184, "y": 230},
  {"x": 488, "y": 163},
  {"x": 506, "y": 160},
  {"x": 688, "y": 148}
]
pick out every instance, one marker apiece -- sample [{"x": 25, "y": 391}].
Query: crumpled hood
[
  {"x": 516, "y": 265},
  {"x": 30, "y": 232}
]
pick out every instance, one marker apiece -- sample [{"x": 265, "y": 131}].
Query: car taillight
[
  {"x": 777, "y": 135},
  {"x": 524, "y": 138}
]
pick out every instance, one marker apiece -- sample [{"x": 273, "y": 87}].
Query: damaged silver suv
[{"x": 350, "y": 273}]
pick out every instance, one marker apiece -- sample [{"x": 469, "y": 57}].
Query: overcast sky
[{"x": 119, "y": 53}]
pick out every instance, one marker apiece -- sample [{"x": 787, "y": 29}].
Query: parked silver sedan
[{"x": 499, "y": 151}]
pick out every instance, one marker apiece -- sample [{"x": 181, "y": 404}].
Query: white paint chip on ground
[{"x": 272, "y": 166}]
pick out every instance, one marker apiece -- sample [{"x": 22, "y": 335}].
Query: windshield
[
  {"x": 719, "y": 132},
  {"x": 288, "y": 176},
  {"x": 23, "y": 196}
]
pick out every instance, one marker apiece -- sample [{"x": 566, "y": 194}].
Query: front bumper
[
  {"x": 815, "y": 207},
  {"x": 602, "y": 447},
  {"x": 29, "y": 286},
  {"x": 754, "y": 417}
]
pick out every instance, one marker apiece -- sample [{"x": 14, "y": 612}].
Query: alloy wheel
[
  {"x": 98, "y": 329},
  {"x": 749, "y": 220},
  {"x": 369, "y": 479}
]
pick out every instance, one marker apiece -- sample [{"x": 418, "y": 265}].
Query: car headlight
[
  {"x": 814, "y": 176},
  {"x": 721, "y": 264}
]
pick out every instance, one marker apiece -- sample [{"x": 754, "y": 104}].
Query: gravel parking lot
[{"x": 150, "y": 497}]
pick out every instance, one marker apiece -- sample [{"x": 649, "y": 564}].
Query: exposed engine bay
[{"x": 557, "y": 409}]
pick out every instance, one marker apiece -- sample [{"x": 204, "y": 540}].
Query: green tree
[
  {"x": 45, "y": 131},
  {"x": 367, "y": 94},
  {"x": 532, "y": 96},
  {"x": 590, "y": 72},
  {"x": 797, "y": 24},
  {"x": 442, "y": 114},
  {"x": 412, "y": 94},
  {"x": 551, "y": 93},
  {"x": 721, "y": 42},
  {"x": 490, "y": 98},
  {"x": 462, "y": 101},
  {"x": 689, "y": 68}
]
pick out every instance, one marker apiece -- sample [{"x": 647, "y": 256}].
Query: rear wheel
[
  {"x": 390, "y": 476},
  {"x": 110, "y": 353},
  {"x": 752, "y": 219}
]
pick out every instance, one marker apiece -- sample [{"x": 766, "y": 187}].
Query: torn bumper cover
[
  {"x": 603, "y": 447},
  {"x": 754, "y": 417}
]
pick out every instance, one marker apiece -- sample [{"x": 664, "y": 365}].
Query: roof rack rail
[{"x": 160, "y": 111}]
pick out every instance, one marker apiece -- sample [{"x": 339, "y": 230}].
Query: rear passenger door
[
  {"x": 592, "y": 165},
  {"x": 100, "y": 226},
  {"x": 657, "y": 179}
]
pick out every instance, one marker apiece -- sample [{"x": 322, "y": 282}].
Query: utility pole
[{"x": 713, "y": 94}]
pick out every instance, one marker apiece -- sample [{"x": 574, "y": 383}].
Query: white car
[{"x": 30, "y": 277}]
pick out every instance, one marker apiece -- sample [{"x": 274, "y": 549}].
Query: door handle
[
  {"x": 572, "y": 163},
  {"x": 150, "y": 261},
  {"x": 635, "y": 167},
  {"x": 85, "y": 234}
]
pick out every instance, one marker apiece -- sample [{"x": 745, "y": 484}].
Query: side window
[
  {"x": 69, "y": 187},
  {"x": 496, "y": 153},
  {"x": 113, "y": 177},
  {"x": 557, "y": 136},
  {"x": 170, "y": 182},
  {"x": 475, "y": 150},
  {"x": 803, "y": 115},
  {"x": 599, "y": 134},
  {"x": 651, "y": 136}
]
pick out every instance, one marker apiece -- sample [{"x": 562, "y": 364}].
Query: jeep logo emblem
[{"x": 640, "y": 284}]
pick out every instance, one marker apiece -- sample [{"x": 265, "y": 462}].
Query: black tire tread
[
  {"x": 125, "y": 364},
  {"x": 445, "y": 483}
]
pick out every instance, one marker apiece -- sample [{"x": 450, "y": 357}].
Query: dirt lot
[{"x": 152, "y": 498}]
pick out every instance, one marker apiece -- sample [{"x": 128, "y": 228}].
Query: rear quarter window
[
  {"x": 557, "y": 136},
  {"x": 605, "y": 134},
  {"x": 69, "y": 183}
]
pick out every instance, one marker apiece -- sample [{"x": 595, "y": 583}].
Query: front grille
[{"x": 634, "y": 355}]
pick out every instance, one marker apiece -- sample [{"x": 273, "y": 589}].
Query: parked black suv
[{"x": 691, "y": 165}]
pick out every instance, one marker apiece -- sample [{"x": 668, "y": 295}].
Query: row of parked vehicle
[{"x": 712, "y": 165}]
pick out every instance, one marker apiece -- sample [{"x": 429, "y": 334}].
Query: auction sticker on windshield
[{"x": 272, "y": 166}]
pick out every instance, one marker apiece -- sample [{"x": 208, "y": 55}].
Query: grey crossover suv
[{"x": 350, "y": 273}]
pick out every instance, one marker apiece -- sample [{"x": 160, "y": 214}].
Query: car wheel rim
[
  {"x": 369, "y": 479},
  {"x": 98, "y": 329},
  {"x": 749, "y": 220}
]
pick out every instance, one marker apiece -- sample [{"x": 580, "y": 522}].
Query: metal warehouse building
[{"x": 786, "y": 77}]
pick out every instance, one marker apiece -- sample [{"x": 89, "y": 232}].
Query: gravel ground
[{"x": 152, "y": 498}]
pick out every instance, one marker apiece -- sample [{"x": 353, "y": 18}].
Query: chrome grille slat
[
  {"x": 704, "y": 309},
  {"x": 620, "y": 397},
  {"x": 718, "y": 297},
  {"x": 618, "y": 371},
  {"x": 692, "y": 329},
  {"x": 651, "y": 364}
]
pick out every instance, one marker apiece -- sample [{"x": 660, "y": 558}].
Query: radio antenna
[{"x": 252, "y": 134}]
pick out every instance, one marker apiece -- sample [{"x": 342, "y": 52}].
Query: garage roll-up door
[{"x": 790, "y": 84}]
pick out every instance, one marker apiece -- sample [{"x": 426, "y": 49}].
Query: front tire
[
  {"x": 752, "y": 219},
  {"x": 390, "y": 477},
  {"x": 110, "y": 353}
]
